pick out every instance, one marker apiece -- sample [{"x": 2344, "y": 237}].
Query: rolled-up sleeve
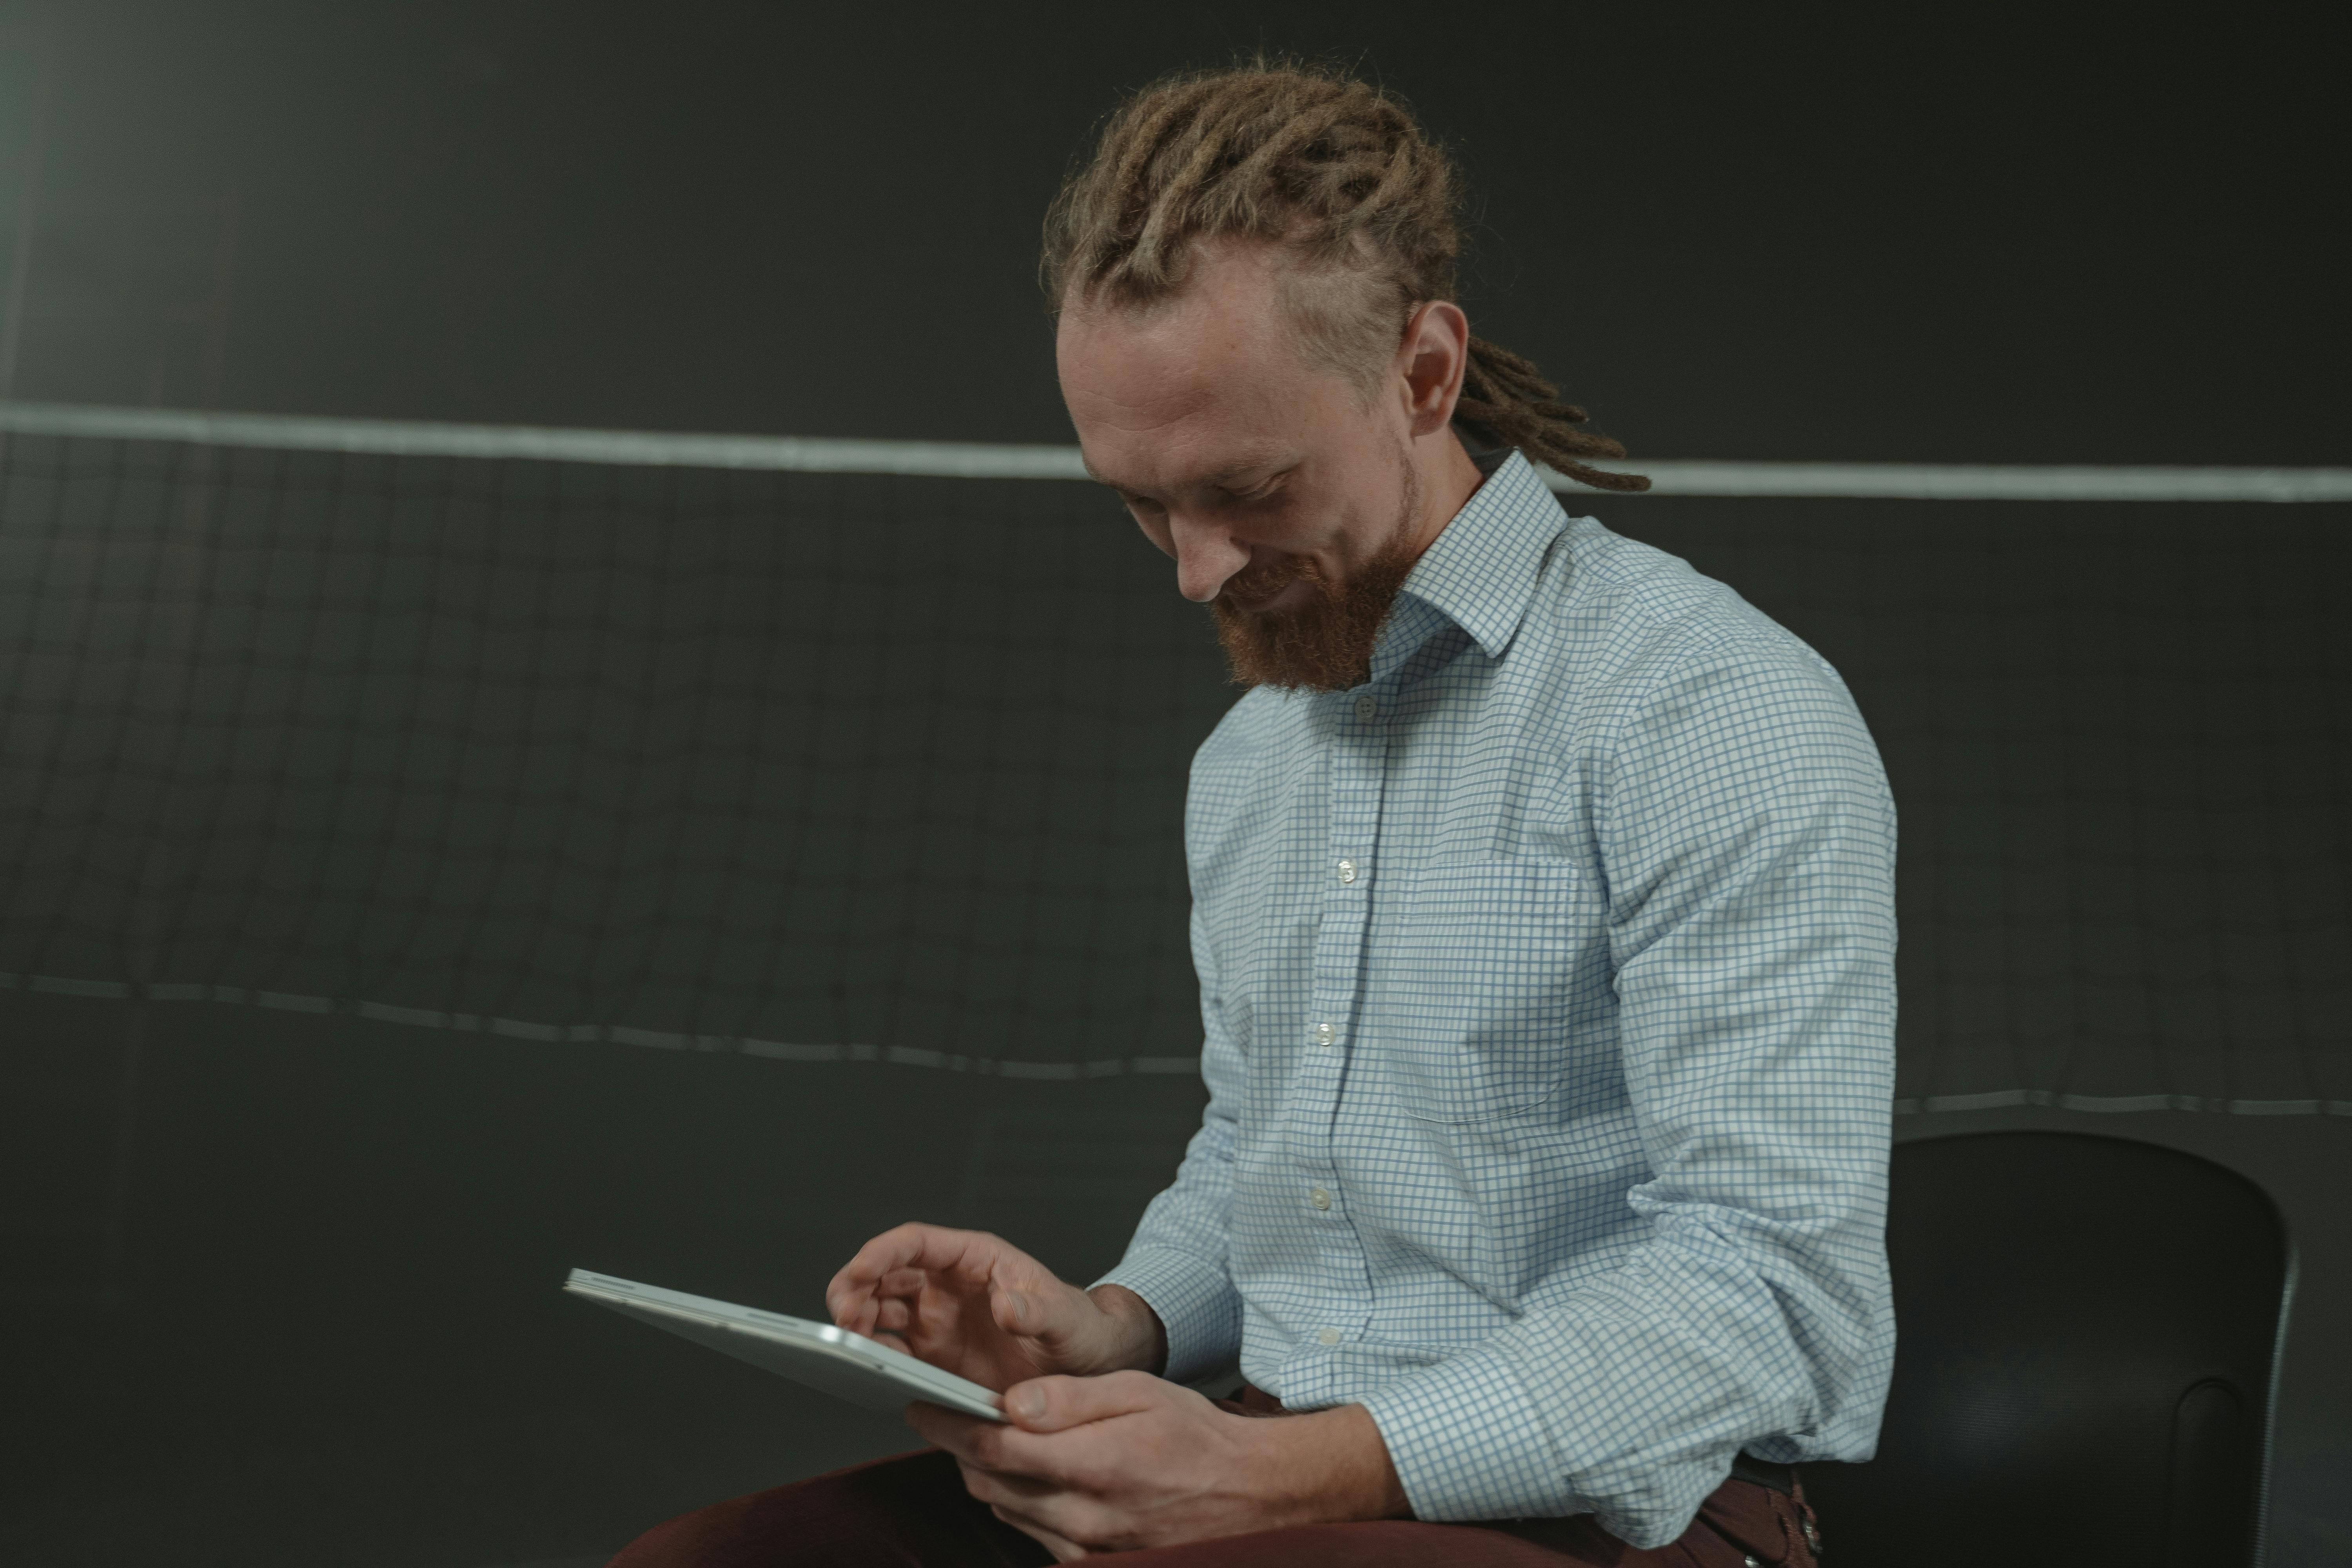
[
  {"x": 1748, "y": 839},
  {"x": 1178, "y": 1260}
]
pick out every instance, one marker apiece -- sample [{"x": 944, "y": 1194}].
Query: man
[{"x": 1542, "y": 909}]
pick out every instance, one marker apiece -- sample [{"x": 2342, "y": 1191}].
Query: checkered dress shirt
[{"x": 1548, "y": 994}]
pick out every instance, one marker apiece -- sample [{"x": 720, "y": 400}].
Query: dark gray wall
[
  {"x": 339, "y": 1339},
  {"x": 1829, "y": 232},
  {"x": 1855, "y": 233}
]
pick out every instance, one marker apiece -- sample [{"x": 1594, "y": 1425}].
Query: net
[
  {"x": 850, "y": 766},
  {"x": 2120, "y": 739},
  {"x": 793, "y": 764}
]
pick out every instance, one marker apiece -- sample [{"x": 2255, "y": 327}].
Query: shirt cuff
[
  {"x": 1468, "y": 1443},
  {"x": 1196, "y": 1302}
]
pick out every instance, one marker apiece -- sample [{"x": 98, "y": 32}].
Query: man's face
[{"x": 1288, "y": 499}]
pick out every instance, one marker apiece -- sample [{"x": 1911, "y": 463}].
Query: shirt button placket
[{"x": 1357, "y": 760}]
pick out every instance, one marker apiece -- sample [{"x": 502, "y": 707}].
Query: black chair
[{"x": 2085, "y": 1334}]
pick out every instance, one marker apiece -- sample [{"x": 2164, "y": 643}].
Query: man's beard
[{"x": 1326, "y": 644}]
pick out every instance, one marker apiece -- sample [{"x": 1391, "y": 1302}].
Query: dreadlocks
[{"x": 1342, "y": 177}]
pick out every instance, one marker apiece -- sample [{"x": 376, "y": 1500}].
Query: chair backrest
[{"x": 2086, "y": 1329}]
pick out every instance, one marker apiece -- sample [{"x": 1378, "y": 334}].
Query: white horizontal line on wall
[
  {"x": 1934, "y": 1104},
  {"x": 997, "y": 1067},
  {"x": 983, "y": 461},
  {"x": 1991, "y": 481},
  {"x": 635, "y": 448},
  {"x": 616, "y": 1034}
]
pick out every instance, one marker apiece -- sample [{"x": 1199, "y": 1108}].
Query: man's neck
[{"x": 1448, "y": 478}]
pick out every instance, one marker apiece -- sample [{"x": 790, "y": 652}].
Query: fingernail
[
  {"x": 1019, "y": 1306},
  {"x": 1029, "y": 1402}
]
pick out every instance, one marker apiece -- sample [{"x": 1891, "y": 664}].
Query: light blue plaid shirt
[{"x": 1548, "y": 980}]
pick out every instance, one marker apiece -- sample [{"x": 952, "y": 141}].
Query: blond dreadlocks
[{"x": 1342, "y": 175}]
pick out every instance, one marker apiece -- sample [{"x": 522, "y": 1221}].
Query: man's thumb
[
  {"x": 1057, "y": 1404},
  {"x": 1019, "y": 1313}
]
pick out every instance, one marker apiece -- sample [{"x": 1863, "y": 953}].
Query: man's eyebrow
[{"x": 1219, "y": 478}]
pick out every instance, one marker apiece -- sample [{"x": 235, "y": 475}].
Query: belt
[
  {"x": 1580, "y": 1538},
  {"x": 1781, "y": 1479}
]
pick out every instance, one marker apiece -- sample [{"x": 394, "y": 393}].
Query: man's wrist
[
  {"x": 1331, "y": 1466},
  {"x": 1139, "y": 1340}
]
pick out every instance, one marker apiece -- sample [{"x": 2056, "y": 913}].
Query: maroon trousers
[{"x": 912, "y": 1512}]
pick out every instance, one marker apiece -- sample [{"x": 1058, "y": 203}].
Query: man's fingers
[
  {"x": 1051, "y": 1314},
  {"x": 1057, "y": 1404},
  {"x": 1049, "y": 1514},
  {"x": 910, "y": 1246},
  {"x": 902, "y": 1282},
  {"x": 1059, "y": 1520},
  {"x": 1005, "y": 1451},
  {"x": 959, "y": 1433},
  {"x": 1003, "y": 1488},
  {"x": 1063, "y": 1548},
  {"x": 919, "y": 1249},
  {"x": 1043, "y": 1475},
  {"x": 884, "y": 1306}
]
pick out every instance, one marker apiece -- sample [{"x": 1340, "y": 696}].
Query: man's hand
[
  {"x": 966, "y": 1302},
  {"x": 1115, "y": 1463}
]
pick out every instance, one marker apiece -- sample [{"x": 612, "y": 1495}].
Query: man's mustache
[{"x": 1261, "y": 581}]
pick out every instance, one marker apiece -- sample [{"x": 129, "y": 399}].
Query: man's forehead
[
  {"x": 1173, "y": 353},
  {"x": 1136, "y": 467},
  {"x": 1159, "y": 411}
]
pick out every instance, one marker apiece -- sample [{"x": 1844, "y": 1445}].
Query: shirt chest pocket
[{"x": 1472, "y": 1004}]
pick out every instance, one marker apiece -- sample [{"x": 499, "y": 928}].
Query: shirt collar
[{"x": 1480, "y": 571}]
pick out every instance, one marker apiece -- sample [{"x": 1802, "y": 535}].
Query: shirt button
[
  {"x": 1320, "y": 1197},
  {"x": 1346, "y": 870},
  {"x": 1366, "y": 707},
  {"x": 1325, "y": 1034},
  {"x": 1328, "y": 1337}
]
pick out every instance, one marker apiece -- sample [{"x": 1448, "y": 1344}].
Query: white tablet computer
[{"x": 834, "y": 1361}]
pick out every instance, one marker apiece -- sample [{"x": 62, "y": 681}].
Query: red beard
[{"x": 1326, "y": 644}]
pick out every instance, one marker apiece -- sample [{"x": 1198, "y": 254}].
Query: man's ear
[{"x": 1430, "y": 361}]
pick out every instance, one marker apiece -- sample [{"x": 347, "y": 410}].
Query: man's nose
[{"x": 1207, "y": 557}]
